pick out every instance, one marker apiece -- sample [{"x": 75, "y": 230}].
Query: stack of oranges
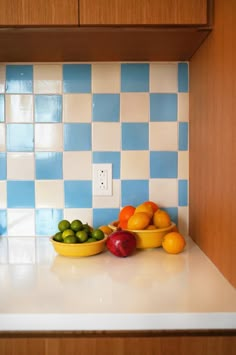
[
  {"x": 148, "y": 215},
  {"x": 145, "y": 216}
]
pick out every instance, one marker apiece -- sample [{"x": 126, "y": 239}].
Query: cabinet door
[
  {"x": 143, "y": 12},
  {"x": 38, "y": 12}
]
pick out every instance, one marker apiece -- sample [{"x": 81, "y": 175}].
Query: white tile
[
  {"x": 49, "y": 137},
  {"x": 2, "y": 78},
  {"x": 77, "y": 165},
  {"x": 21, "y": 251},
  {"x": 49, "y": 194},
  {"x": 106, "y": 136},
  {"x": 47, "y": 78},
  {"x": 183, "y": 223},
  {"x": 134, "y": 107},
  {"x": 164, "y": 192},
  {"x": 183, "y": 165},
  {"x": 3, "y": 194},
  {"x": 183, "y": 107},
  {"x": 106, "y": 78},
  {"x": 163, "y": 77},
  {"x": 20, "y": 166},
  {"x": 19, "y": 108},
  {"x": 85, "y": 215},
  {"x": 109, "y": 201},
  {"x": 2, "y": 137},
  {"x": 21, "y": 222},
  {"x": 77, "y": 107},
  {"x": 135, "y": 165},
  {"x": 163, "y": 136}
]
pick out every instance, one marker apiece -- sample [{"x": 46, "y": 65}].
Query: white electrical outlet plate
[{"x": 102, "y": 179}]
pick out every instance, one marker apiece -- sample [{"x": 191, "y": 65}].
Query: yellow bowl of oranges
[
  {"x": 149, "y": 223},
  {"x": 147, "y": 238},
  {"x": 76, "y": 239}
]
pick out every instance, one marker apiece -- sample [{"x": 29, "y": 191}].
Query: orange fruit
[
  {"x": 145, "y": 208},
  {"x": 122, "y": 224},
  {"x": 173, "y": 243},
  {"x": 161, "y": 219},
  {"x": 152, "y": 204},
  {"x": 151, "y": 227},
  {"x": 126, "y": 212},
  {"x": 106, "y": 230},
  {"x": 139, "y": 220}
]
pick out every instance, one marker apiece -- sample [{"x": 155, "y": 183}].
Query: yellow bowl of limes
[
  {"x": 79, "y": 249},
  {"x": 147, "y": 238}
]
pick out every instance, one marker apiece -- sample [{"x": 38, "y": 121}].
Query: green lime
[
  {"x": 91, "y": 240},
  {"x": 58, "y": 237},
  {"x": 71, "y": 239},
  {"x": 76, "y": 225},
  {"x": 87, "y": 228},
  {"x": 97, "y": 234},
  {"x": 67, "y": 232},
  {"x": 63, "y": 225},
  {"x": 82, "y": 236}
]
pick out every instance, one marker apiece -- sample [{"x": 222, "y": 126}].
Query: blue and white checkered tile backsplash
[{"x": 56, "y": 120}]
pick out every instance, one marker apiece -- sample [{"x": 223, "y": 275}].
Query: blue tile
[
  {"x": 77, "y": 136},
  {"x": 173, "y": 212},
  {"x": 183, "y": 192},
  {"x": 109, "y": 157},
  {"x": 3, "y": 167},
  {"x": 104, "y": 216},
  {"x": 135, "y": 77},
  {"x": 78, "y": 194},
  {"x": 20, "y": 137},
  {"x": 163, "y": 164},
  {"x": 163, "y": 107},
  {"x": 77, "y": 78},
  {"x": 3, "y": 222},
  {"x": 182, "y": 77},
  {"x": 134, "y": 192},
  {"x": 46, "y": 221},
  {"x": 48, "y": 165},
  {"x": 2, "y": 108},
  {"x": 48, "y": 108},
  {"x": 183, "y": 136},
  {"x": 106, "y": 107},
  {"x": 19, "y": 79},
  {"x": 135, "y": 136},
  {"x": 20, "y": 194}
]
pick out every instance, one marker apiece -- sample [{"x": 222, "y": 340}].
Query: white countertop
[{"x": 151, "y": 290}]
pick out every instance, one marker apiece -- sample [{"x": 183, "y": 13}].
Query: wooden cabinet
[
  {"x": 143, "y": 12},
  {"x": 102, "y": 30},
  {"x": 38, "y": 12},
  {"x": 119, "y": 343}
]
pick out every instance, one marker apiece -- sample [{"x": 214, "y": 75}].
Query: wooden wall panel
[{"x": 212, "y": 195}]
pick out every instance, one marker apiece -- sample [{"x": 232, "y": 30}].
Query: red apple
[{"x": 121, "y": 243}]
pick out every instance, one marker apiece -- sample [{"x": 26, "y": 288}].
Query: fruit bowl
[
  {"x": 79, "y": 249},
  {"x": 147, "y": 238}
]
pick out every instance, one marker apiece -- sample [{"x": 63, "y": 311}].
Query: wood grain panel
[
  {"x": 142, "y": 12},
  {"x": 38, "y": 12},
  {"x": 118, "y": 345},
  {"x": 212, "y": 142}
]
